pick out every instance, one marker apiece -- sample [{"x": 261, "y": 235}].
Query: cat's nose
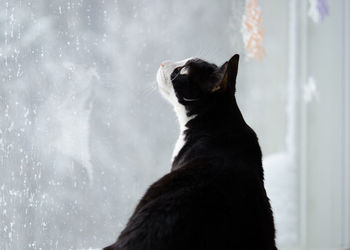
[{"x": 164, "y": 63}]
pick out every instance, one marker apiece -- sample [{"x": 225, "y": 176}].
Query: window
[{"x": 83, "y": 131}]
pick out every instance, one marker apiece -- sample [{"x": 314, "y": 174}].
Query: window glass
[{"x": 83, "y": 130}]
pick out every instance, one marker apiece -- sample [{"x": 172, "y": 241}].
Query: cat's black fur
[{"x": 214, "y": 196}]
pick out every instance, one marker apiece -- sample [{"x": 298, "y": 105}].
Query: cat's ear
[{"x": 226, "y": 75}]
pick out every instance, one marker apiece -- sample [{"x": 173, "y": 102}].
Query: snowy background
[{"x": 83, "y": 131}]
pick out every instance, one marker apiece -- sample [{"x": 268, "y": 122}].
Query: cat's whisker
[
  {"x": 148, "y": 89},
  {"x": 203, "y": 52},
  {"x": 151, "y": 90},
  {"x": 198, "y": 54}
]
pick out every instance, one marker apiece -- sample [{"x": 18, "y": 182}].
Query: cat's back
[{"x": 199, "y": 206}]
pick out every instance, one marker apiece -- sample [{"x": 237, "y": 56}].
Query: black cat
[{"x": 214, "y": 196}]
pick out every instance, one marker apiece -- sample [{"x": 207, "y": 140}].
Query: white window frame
[{"x": 298, "y": 74}]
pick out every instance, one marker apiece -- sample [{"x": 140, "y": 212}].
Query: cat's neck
[
  {"x": 212, "y": 122},
  {"x": 183, "y": 119},
  {"x": 218, "y": 116},
  {"x": 201, "y": 142},
  {"x": 224, "y": 117},
  {"x": 182, "y": 116}
]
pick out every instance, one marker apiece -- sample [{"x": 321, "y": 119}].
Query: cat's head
[{"x": 192, "y": 84}]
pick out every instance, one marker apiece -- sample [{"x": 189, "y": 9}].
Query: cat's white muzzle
[
  {"x": 164, "y": 78},
  {"x": 164, "y": 83}
]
